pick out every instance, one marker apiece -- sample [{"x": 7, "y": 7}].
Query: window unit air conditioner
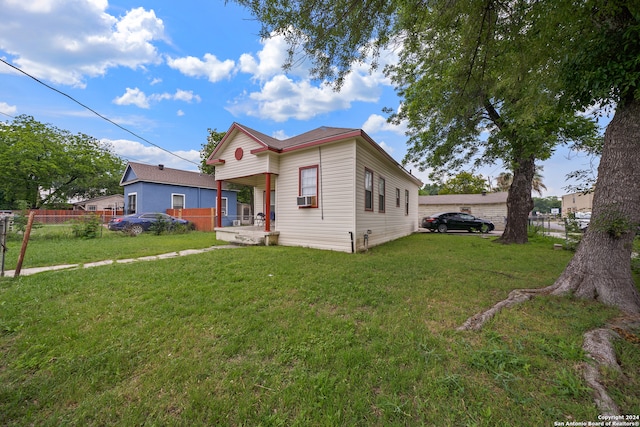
[{"x": 306, "y": 201}]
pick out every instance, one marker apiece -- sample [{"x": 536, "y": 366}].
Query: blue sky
[{"x": 168, "y": 71}]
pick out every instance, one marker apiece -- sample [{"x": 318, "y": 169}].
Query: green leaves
[
  {"x": 213, "y": 138},
  {"x": 464, "y": 183},
  {"x": 602, "y": 64},
  {"x": 37, "y": 158}
]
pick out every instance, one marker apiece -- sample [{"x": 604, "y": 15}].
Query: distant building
[
  {"x": 113, "y": 202},
  {"x": 157, "y": 188},
  {"x": 490, "y": 206},
  {"x": 576, "y": 202}
]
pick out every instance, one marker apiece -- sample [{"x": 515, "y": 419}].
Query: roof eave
[{"x": 213, "y": 160}]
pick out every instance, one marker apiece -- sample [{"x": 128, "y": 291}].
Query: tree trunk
[
  {"x": 601, "y": 267},
  {"x": 519, "y": 202}
]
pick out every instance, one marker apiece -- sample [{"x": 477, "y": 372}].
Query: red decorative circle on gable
[{"x": 239, "y": 153}]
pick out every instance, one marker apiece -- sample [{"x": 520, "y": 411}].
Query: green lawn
[
  {"x": 49, "y": 247},
  {"x": 279, "y": 336}
]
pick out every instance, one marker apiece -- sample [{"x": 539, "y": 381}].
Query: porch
[{"x": 247, "y": 235}]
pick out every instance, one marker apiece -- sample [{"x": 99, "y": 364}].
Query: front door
[{"x": 272, "y": 204}]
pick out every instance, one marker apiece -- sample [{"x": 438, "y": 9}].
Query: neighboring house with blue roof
[{"x": 157, "y": 188}]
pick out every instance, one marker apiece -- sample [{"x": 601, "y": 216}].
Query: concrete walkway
[{"x": 34, "y": 270}]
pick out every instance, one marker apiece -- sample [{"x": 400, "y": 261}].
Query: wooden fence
[
  {"x": 203, "y": 218},
  {"x": 51, "y": 216}
]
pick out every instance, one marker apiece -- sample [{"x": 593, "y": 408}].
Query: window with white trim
[
  {"x": 308, "y": 183},
  {"x": 368, "y": 190},
  {"x": 177, "y": 201},
  {"x": 132, "y": 203},
  {"x": 381, "y": 194},
  {"x": 224, "y": 206},
  {"x": 406, "y": 202}
]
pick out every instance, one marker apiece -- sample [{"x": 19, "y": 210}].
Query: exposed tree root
[
  {"x": 597, "y": 343},
  {"x": 477, "y": 321},
  {"x": 598, "y": 348}
]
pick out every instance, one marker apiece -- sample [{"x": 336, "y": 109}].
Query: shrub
[
  {"x": 87, "y": 227},
  {"x": 160, "y": 225}
]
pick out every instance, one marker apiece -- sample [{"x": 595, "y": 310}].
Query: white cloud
[
  {"x": 140, "y": 99},
  {"x": 133, "y": 97},
  {"x": 296, "y": 95},
  {"x": 155, "y": 81},
  {"x": 376, "y": 123},
  {"x": 270, "y": 60},
  {"x": 282, "y": 98},
  {"x": 180, "y": 113},
  {"x": 386, "y": 147},
  {"x": 211, "y": 68},
  {"x": 280, "y": 134},
  {"x": 137, "y": 152},
  {"x": 7, "y": 109},
  {"x": 65, "y": 41},
  {"x": 186, "y": 96}
]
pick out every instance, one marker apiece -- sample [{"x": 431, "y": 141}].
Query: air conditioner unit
[{"x": 306, "y": 201}]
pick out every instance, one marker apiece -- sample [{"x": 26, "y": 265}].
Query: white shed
[
  {"x": 330, "y": 188},
  {"x": 490, "y": 206}
]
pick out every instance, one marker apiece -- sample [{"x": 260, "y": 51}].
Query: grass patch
[
  {"x": 294, "y": 336},
  {"x": 50, "y": 247}
]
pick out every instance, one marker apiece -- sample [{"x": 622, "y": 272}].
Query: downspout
[
  {"x": 352, "y": 244},
  {"x": 320, "y": 172},
  {"x": 219, "y": 204}
]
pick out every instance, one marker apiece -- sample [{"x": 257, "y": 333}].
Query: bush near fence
[{"x": 56, "y": 223}]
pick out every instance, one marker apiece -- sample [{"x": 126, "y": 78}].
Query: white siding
[
  {"x": 328, "y": 225},
  {"x": 393, "y": 223},
  {"x": 250, "y": 164}
]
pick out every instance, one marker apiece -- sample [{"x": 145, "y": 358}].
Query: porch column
[
  {"x": 219, "y": 204},
  {"x": 267, "y": 202}
]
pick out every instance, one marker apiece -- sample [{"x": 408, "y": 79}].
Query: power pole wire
[{"x": 96, "y": 113}]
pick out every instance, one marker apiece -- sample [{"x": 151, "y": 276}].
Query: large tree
[
  {"x": 464, "y": 183},
  {"x": 602, "y": 67},
  {"x": 213, "y": 139},
  {"x": 471, "y": 91},
  {"x": 504, "y": 180},
  {"x": 245, "y": 193},
  {"x": 47, "y": 166}
]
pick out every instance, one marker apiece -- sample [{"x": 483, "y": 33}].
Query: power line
[{"x": 95, "y": 112}]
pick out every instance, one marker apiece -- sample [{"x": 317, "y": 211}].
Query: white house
[
  {"x": 330, "y": 188},
  {"x": 102, "y": 203}
]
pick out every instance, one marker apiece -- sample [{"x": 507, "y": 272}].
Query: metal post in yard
[
  {"x": 25, "y": 240},
  {"x": 4, "y": 225}
]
